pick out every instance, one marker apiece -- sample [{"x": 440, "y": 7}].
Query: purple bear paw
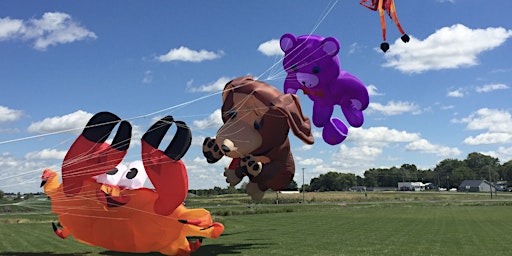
[{"x": 334, "y": 132}]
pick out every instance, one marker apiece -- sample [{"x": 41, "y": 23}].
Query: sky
[{"x": 444, "y": 94}]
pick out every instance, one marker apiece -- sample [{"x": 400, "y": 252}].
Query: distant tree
[
  {"x": 333, "y": 181},
  {"x": 243, "y": 187},
  {"x": 485, "y": 167},
  {"x": 409, "y": 172},
  {"x": 444, "y": 170},
  {"x": 505, "y": 172},
  {"x": 291, "y": 187},
  {"x": 1, "y": 194},
  {"x": 230, "y": 190},
  {"x": 371, "y": 178}
]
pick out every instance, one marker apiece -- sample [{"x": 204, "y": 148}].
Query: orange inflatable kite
[
  {"x": 387, "y": 6},
  {"x": 117, "y": 213}
]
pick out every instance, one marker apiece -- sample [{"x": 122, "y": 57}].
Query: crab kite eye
[
  {"x": 113, "y": 171},
  {"x": 131, "y": 173},
  {"x": 113, "y": 176},
  {"x": 316, "y": 70},
  {"x": 134, "y": 176},
  {"x": 294, "y": 67}
]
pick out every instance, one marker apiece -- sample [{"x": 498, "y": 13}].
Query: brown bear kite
[{"x": 257, "y": 118}]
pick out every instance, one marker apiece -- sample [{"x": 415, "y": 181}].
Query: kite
[
  {"x": 102, "y": 202},
  {"x": 389, "y": 7},
  {"x": 313, "y": 66},
  {"x": 257, "y": 118}
]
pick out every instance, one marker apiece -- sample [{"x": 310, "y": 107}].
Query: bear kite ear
[
  {"x": 331, "y": 46},
  {"x": 287, "y": 42},
  {"x": 289, "y": 105}
]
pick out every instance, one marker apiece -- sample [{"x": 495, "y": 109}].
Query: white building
[{"x": 411, "y": 186}]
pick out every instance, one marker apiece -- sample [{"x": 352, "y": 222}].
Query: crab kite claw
[
  {"x": 164, "y": 168},
  {"x": 90, "y": 155}
]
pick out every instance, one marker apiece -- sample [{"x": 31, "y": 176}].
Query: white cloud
[
  {"x": 10, "y": 28},
  {"x": 46, "y": 154},
  {"x": 449, "y": 47},
  {"x": 211, "y": 87},
  {"x": 204, "y": 175},
  {"x": 447, "y": 107},
  {"x": 489, "y": 138},
  {"x": 457, "y": 93},
  {"x": 380, "y": 136},
  {"x": 353, "y": 48},
  {"x": 493, "y": 120},
  {"x": 9, "y": 115},
  {"x": 52, "y": 28},
  {"x": 355, "y": 159},
  {"x": 197, "y": 140},
  {"x": 305, "y": 147},
  {"x": 271, "y": 48},
  {"x": 369, "y": 144},
  {"x": 393, "y": 108},
  {"x": 185, "y": 54},
  {"x": 137, "y": 134},
  {"x": 23, "y": 174},
  {"x": 496, "y": 124},
  {"x": 491, "y": 87},
  {"x": 213, "y": 121},
  {"x": 311, "y": 161},
  {"x": 148, "y": 77},
  {"x": 372, "y": 90},
  {"x": 422, "y": 145},
  {"x": 74, "y": 121},
  {"x": 502, "y": 153}
]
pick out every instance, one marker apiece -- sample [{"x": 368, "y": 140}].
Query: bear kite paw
[
  {"x": 254, "y": 191},
  {"x": 211, "y": 150}
]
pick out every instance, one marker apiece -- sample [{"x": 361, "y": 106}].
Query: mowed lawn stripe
[{"x": 323, "y": 229}]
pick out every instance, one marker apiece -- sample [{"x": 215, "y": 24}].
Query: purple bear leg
[
  {"x": 354, "y": 116},
  {"x": 322, "y": 114},
  {"x": 334, "y": 132}
]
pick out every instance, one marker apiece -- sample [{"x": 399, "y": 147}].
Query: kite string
[
  {"x": 326, "y": 12},
  {"x": 272, "y": 75}
]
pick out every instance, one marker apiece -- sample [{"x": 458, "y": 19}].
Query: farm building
[
  {"x": 411, "y": 186},
  {"x": 358, "y": 189},
  {"x": 476, "y": 186}
]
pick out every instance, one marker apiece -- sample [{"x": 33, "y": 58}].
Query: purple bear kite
[{"x": 312, "y": 65}]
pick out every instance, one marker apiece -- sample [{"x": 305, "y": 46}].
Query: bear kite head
[{"x": 310, "y": 59}]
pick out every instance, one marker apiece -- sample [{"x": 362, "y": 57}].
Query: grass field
[{"x": 331, "y": 224}]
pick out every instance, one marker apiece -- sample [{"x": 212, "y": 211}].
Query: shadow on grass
[
  {"x": 43, "y": 254},
  {"x": 223, "y": 249},
  {"x": 114, "y": 253},
  {"x": 210, "y": 250}
]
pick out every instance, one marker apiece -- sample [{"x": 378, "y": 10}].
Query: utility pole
[
  {"x": 490, "y": 184},
  {"x": 303, "y": 191}
]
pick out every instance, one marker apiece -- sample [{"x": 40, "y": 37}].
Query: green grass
[{"x": 422, "y": 226}]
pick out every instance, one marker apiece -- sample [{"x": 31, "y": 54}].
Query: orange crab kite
[
  {"x": 389, "y": 7},
  {"x": 122, "y": 215}
]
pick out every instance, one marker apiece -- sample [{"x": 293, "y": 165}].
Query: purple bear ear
[
  {"x": 331, "y": 46},
  {"x": 287, "y": 42}
]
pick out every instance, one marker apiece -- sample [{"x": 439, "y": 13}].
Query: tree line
[{"x": 449, "y": 173}]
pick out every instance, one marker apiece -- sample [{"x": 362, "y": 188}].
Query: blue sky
[{"x": 444, "y": 94}]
